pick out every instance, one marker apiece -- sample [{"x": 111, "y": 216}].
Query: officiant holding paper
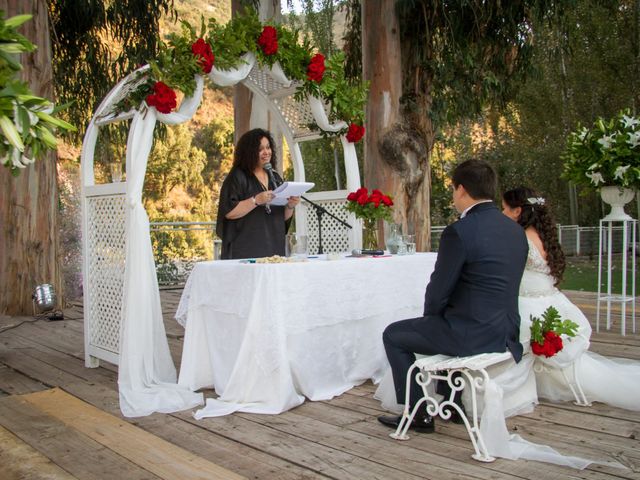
[{"x": 249, "y": 225}]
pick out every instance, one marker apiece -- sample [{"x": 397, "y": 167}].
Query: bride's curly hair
[{"x": 534, "y": 213}]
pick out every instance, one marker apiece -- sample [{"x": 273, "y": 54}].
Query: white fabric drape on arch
[{"x": 146, "y": 373}]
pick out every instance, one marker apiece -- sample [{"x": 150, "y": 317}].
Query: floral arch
[{"x": 123, "y": 317}]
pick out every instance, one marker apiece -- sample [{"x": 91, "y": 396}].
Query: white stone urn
[{"x": 617, "y": 197}]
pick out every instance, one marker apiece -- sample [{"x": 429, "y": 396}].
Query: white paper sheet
[{"x": 290, "y": 189}]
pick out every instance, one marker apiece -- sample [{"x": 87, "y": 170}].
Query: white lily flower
[
  {"x": 596, "y": 178},
  {"x": 607, "y": 140},
  {"x": 634, "y": 139},
  {"x": 620, "y": 171},
  {"x": 593, "y": 166},
  {"x": 630, "y": 121},
  {"x": 27, "y": 160},
  {"x": 583, "y": 133},
  {"x": 16, "y": 158}
]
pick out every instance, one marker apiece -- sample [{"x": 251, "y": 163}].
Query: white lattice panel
[
  {"x": 105, "y": 113},
  {"x": 335, "y": 236},
  {"x": 298, "y": 116},
  {"x": 105, "y": 266}
]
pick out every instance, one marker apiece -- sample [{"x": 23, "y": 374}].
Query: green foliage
[
  {"x": 97, "y": 42},
  {"x": 584, "y": 66},
  {"x": 551, "y": 321},
  {"x": 27, "y": 122},
  {"x": 174, "y": 162},
  {"x": 176, "y": 66},
  {"x": 347, "y": 98},
  {"x": 234, "y": 39},
  {"x": 465, "y": 54},
  {"x": 606, "y": 154}
]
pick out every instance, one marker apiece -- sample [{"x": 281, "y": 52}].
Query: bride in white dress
[
  {"x": 608, "y": 380},
  {"x": 614, "y": 381}
]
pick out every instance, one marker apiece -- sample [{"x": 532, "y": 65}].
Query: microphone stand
[{"x": 320, "y": 210}]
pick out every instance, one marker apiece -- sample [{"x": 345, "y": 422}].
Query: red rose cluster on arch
[
  {"x": 163, "y": 98},
  {"x": 316, "y": 68},
  {"x": 355, "y": 133},
  {"x": 268, "y": 40},
  {"x": 202, "y": 51},
  {"x": 551, "y": 345}
]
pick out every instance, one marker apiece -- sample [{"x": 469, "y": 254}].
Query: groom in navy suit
[{"x": 471, "y": 302}]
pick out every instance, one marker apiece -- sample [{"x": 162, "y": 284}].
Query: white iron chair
[
  {"x": 473, "y": 370},
  {"x": 473, "y": 374}
]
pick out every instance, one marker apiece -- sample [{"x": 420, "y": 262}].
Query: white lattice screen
[
  {"x": 106, "y": 240},
  {"x": 336, "y": 238}
]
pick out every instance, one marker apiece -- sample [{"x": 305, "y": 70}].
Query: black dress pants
[{"x": 401, "y": 342}]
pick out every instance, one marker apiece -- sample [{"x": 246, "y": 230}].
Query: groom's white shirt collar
[{"x": 466, "y": 210}]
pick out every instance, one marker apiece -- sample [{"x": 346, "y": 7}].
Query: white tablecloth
[{"x": 267, "y": 335}]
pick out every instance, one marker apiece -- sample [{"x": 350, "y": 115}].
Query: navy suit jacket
[{"x": 471, "y": 302}]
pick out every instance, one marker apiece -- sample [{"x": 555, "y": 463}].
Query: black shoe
[
  {"x": 455, "y": 415},
  {"x": 421, "y": 423}
]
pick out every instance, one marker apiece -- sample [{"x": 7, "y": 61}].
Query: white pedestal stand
[{"x": 629, "y": 228}]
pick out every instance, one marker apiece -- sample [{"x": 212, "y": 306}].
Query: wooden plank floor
[{"x": 337, "y": 439}]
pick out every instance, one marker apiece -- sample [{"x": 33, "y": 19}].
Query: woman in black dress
[{"x": 248, "y": 226}]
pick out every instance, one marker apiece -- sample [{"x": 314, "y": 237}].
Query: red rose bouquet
[
  {"x": 163, "y": 98},
  {"x": 546, "y": 333},
  {"x": 316, "y": 68},
  {"x": 370, "y": 208},
  {"x": 355, "y": 133},
  {"x": 268, "y": 40},
  {"x": 202, "y": 51}
]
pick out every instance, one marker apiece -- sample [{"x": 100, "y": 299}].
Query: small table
[
  {"x": 606, "y": 244},
  {"x": 267, "y": 335}
]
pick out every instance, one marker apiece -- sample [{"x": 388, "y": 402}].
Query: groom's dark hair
[{"x": 478, "y": 178}]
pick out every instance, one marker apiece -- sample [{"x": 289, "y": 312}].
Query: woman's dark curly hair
[
  {"x": 247, "y": 153},
  {"x": 537, "y": 216}
]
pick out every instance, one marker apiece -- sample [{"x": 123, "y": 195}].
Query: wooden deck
[{"x": 60, "y": 420}]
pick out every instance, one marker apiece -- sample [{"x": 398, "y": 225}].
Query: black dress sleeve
[{"x": 234, "y": 189}]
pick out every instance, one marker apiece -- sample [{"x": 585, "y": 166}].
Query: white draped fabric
[
  {"x": 267, "y": 335},
  {"x": 146, "y": 374}
]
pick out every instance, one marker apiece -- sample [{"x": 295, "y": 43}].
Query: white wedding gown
[{"x": 614, "y": 381}]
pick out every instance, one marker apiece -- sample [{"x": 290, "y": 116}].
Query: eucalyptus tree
[
  {"x": 431, "y": 63},
  {"x": 89, "y": 46}
]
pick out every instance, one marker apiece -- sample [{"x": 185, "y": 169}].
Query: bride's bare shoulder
[{"x": 534, "y": 237}]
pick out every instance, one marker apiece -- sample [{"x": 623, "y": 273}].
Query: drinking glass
[
  {"x": 296, "y": 246},
  {"x": 116, "y": 172},
  {"x": 410, "y": 243}
]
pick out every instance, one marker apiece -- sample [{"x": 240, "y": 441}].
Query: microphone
[
  {"x": 357, "y": 251},
  {"x": 269, "y": 169}
]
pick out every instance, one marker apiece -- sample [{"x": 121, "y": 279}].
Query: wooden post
[{"x": 29, "y": 243}]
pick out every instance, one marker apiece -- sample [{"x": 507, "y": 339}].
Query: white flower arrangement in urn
[{"x": 606, "y": 157}]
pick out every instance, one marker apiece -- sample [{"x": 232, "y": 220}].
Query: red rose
[
  {"x": 537, "y": 349},
  {"x": 315, "y": 70},
  {"x": 268, "y": 40},
  {"x": 163, "y": 98},
  {"x": 554, "y": 340},
  {"x": 355, "y": 133},
  {"x": 352, "y": 197},
  {"x": 202, "y": 51},
  {"x": 363, "y": 198},
  {"x": 387, "y": 201}
]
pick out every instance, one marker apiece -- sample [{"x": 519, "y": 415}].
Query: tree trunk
[
  {"x": 242, "y": 96},
  {"x": 397, "y": 145},
  {"x": 29, "y": 244}
]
